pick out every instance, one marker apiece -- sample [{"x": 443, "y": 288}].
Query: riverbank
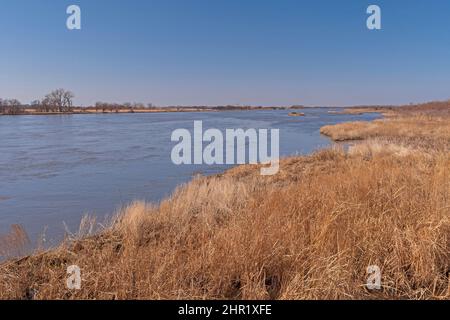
[{"x": 309, "y": 232}]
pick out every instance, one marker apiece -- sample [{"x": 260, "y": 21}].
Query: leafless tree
[
  {"x": 10, "y": 106},
  {"x": 138, "y": 105},
  {"x": 100, "y": 106},
  {"x": 59, "y": 100}
]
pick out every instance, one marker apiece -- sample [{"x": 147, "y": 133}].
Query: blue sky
[{"x": 212, "y": 52}]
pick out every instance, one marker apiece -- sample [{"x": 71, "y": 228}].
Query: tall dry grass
[
  {"x": 421, "y": 131},
  {"x": 15, "y": 242},
  {"x": 309, "y": 232}
]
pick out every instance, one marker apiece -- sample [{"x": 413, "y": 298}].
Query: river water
[{"x": 55, "y": 169}]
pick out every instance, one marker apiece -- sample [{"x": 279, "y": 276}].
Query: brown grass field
[{"x": 309, "y": 232}]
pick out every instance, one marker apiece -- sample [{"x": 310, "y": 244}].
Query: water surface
[{"x": 55, "y": 169}]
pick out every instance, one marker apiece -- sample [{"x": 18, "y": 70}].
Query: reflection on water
[{"x": 55, "y": 169}]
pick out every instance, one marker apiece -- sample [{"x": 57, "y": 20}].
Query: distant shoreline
[
  {"x": 352, "y": 110},
  {"x": 386, "y": 110},
  {"x": 90, "y": 110}
]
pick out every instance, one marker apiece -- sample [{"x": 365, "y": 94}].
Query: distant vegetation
[
  {"x": 10, "y": 106},
  {"x": 60, "y": 101},
  {"x": 429, "y": 108}
]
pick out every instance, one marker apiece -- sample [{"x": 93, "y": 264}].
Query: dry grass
[
  {"x": 308, "y": 233},
  {"x": 433, "y": 108},
  {"x": 422, "y": 131},
  {"x": 15, "y": 242},
  {"x": 362, "y": 110}
]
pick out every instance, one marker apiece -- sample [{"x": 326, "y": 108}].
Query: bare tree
[
  {"x": 15, "y": 106},
  {"x": 36, "y": 105},
  {"x": 138, "y": 105},
  {"x": 100, "y": 106},
  {"x": 10, "y": 106},
  {"x": 59, "y": 100}
]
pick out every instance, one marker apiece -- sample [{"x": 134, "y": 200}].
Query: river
[{"x": 55, "y": 169}]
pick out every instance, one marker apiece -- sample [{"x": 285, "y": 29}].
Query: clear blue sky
[{"x": 212, "y": 52}]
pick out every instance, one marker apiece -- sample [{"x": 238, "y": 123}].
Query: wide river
[{"x": 55, "y": 169}]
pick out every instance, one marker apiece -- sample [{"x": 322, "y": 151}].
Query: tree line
[
  {"x": 10, "y": 106},
  {"x": 59, "y": 100},
  {"x": 116, "y": 107}
]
